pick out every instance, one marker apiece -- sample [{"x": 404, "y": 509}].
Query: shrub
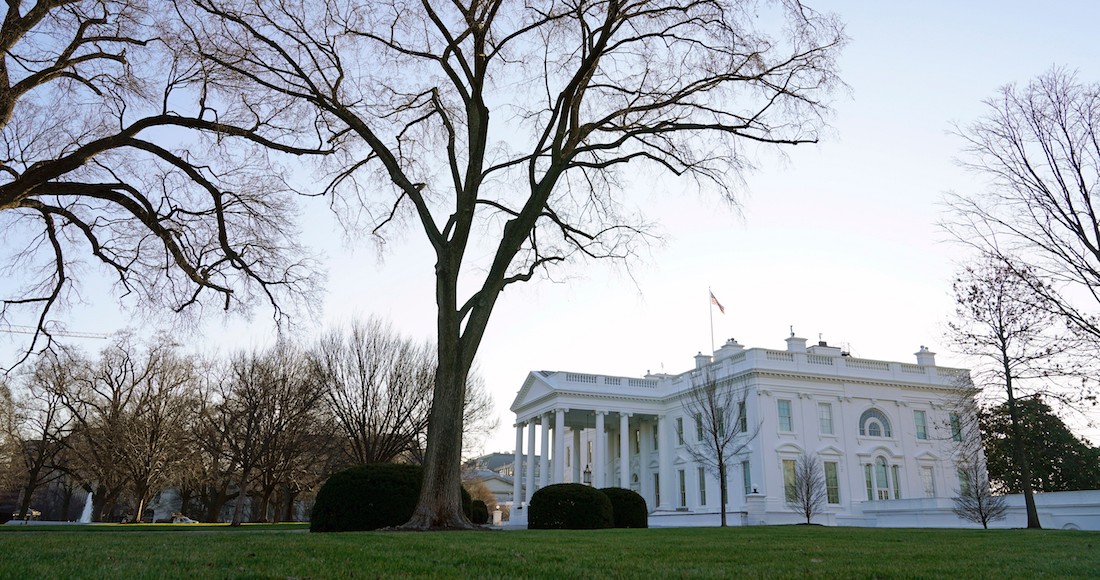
[
  {"x": 479, "y": 512},
  {"x": 569, "y": 506},
  {"x": 368, "y": 497},
  {"x": 628, "y": 509}
]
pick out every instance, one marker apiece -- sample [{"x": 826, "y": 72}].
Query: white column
[
  {"x": 517, "y": 466},
  {"x": 664, "y": 462},
  {"x": 559, "y": 446},
  {"x": 577, "y": 456},
  {"x": 530, "y": 462},
  {"x": 601, "y": 448},
  {"x": 645, "y": 478},
  {"x": 544, "y": 460},
  {"x": 624, "y": 450}
]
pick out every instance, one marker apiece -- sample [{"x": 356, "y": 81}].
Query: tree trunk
[
  {"x": 1021, "y": 461},
  {"x": 722, "y": 486},
  {"x": 440, "y": 502},
  {"x": 238, "y": 507}
]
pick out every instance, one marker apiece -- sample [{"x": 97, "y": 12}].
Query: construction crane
[{"x": 19, "y": 329}]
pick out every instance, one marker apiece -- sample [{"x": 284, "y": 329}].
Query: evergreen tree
[{"x": 1059, "y": 460}]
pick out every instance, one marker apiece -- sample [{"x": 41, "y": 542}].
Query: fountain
[{"x": 86, "y": 515}]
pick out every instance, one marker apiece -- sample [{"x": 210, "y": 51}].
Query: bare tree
[
  {"x": 1015, "y": 344},
  {"x": 42, "y": 423},
  {"x": 805, "y": 490},
  {"x": 720, "y": 411},
  {"x": 378, "y": 389},
  {"x": 1039, "y": 147},
  {"x": 503, "y": 132},
  {"x": 975, "y": 501},
  {"x": 270, "y": 398},
  {"x": 154, "y": 438},
  {"x": 10, "y": 441},
  {"x": 113, "y": 149}
]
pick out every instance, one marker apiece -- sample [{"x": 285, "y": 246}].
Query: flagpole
[{"x": 710, "y": 307}]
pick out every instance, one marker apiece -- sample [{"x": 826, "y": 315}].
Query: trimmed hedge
[
  {"x": 369, "y": 497},
  {"x": 628, "y": 509},
  {"x": 569, "y": 506},
  {"x": 479, "y": 512}
]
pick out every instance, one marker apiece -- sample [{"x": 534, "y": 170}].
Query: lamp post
[{"x": 587, "y": 475}]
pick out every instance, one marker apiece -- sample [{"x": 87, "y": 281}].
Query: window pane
[
  {"x": 874, "y": 429},
  {"x": 785, "y": 421},
  {"x": 956, "y": 427},
  {"x": 702, "y": 487},
  {"x": 788, "y": 479},
  {"x": 742, "y": 418},
  {"x": 897, "y": 482},
  {"x": 921, "y": 422},
  {"x": 698, "y": 427},
  {"x": 825, "y": 415},
  {"x": 683, "y": 488},
  {"x": 657, "y": 488},
  {"x": 927, "y": 477},
  {"x": 870, "y": 482},
  {"x": 832, "y": 482},
  {"x": 747, "y": 477},
  {"x": 679, "y": 431}
]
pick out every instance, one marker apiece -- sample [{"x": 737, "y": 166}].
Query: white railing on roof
[
  {"x": 819, "y": 359},
  {"x": 646, "y": 383},
  {"x": 580, "y": 378},
  {"x": 912, "y": 369},
  {"x": 871, "y": 365},
  {"x": 780, "y": 355}
]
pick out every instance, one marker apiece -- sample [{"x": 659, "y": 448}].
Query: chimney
[
  {"x": 925, "y": 357},
  {"x": 729, "y": 349},
  {"x": 795, "y": 344},
  {"x": 702, "y": 360}
]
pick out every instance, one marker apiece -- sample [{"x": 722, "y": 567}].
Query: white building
[{"x": 883, "y": 431}]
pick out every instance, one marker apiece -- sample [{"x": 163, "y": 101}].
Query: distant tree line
[{"x": 268, "y": 425}]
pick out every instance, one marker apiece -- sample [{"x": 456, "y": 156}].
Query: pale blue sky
[{"x": 838, "y": 239}]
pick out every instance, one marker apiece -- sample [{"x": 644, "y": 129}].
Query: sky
[{"x": 837, "y": 239}]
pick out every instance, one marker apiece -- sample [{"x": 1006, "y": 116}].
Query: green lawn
[{"x": 287, "y": 551}]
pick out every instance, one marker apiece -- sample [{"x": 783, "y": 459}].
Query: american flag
[{"x": 715, "y": 302}]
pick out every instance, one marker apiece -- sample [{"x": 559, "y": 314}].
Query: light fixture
[{"x": 587, "y": 475}]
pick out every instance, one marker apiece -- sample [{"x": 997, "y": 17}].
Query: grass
[{"x": 284, "y": 551}]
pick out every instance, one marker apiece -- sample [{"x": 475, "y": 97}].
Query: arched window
[
  {"x": 879, "y": 483},
  {"x": 873, "y": 423}
]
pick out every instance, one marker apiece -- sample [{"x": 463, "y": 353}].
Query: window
[
  {"x": 870, "y": 482},
  {"x": 683, "y": 488},
  {"x": 964, "y": 482},
  {"x": 657, "y": 435},
  {"x": 618, "y": 445},
  {"x": 679, "y": 431},
  {"x": 788, "y": 480},
  {"x": 702, "y": 487},
  {"x": 721, "y": 416},
  {"x": 897, "y": 480},
  {"x": 921, "y": 421},
  {"x": 637, "y": 441},
  {"x": 589, "y": 452},
  {"x": 746, "y": 475},
  {"x": 832, "y": 482},
  {"x": 568, "y": 455},
  {"x": 698, "y": 427},
  {"x": 882, "y": 479},
  {"x": 657, "y": 488},
  {"x": 956, "y": 427},
  {"x": 742, "y": 418},
  {"x": 825, "y": 418},
  {"x": 873, "y": 423},
  {"x": 786, "y": 423},
  {"x": 928, "y": 480}
]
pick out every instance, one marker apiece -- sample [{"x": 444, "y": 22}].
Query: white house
[{"x": 883, "y": 431}]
